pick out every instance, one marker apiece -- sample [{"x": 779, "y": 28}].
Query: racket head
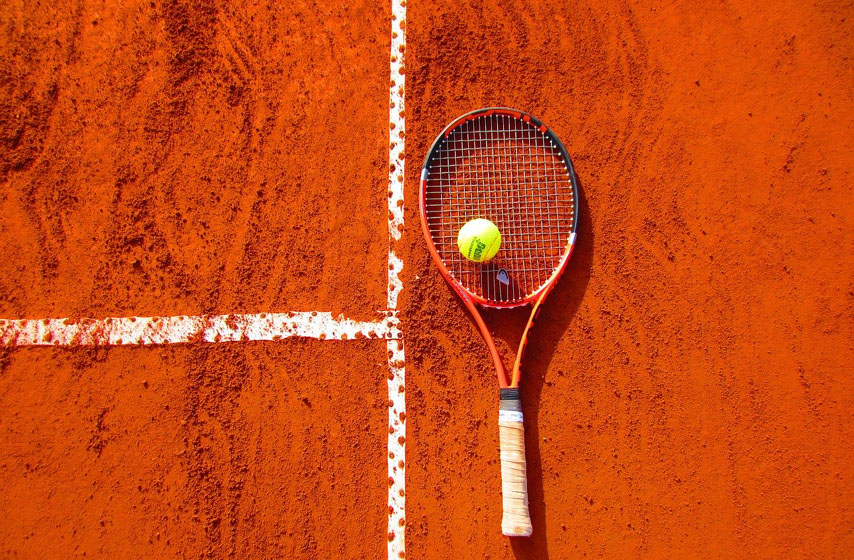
[{"x": 507, "y": 166}]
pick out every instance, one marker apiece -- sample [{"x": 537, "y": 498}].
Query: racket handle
[{"x": 516, "y": 521}]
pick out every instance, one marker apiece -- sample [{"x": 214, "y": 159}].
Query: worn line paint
[
  {"x": 115, "y": 331},
  {"x": 396, "y": 449},
  {"x": 396, "y": 362}
]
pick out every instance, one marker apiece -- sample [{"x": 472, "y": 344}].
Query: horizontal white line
[{"x": 114, "y": 331}]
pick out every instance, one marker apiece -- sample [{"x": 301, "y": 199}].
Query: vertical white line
[
  {"x": 397, "y": 143},
  {"x": 396, "y": 370},
  {"x": 396, "y": 450}
]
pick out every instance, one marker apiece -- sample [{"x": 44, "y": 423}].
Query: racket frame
[
  {"x": 516, "y": 519},
  {"x": 472, "y": 300}
]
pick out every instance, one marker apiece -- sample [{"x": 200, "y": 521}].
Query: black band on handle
[{"x": 509, "y": 394}]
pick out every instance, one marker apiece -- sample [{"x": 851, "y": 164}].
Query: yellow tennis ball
[{"x": 479, "y": 240}]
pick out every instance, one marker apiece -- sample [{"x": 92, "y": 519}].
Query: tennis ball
[{"x": 479, "y": 240}]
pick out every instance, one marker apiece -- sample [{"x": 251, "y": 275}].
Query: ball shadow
[{"x": 555, "y": 318}]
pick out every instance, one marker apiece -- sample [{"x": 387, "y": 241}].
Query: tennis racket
[{"x": 506, "y": 166}]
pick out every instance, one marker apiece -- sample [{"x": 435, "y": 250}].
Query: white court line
[
  {"x": 276, "y": 326},
  {"x": 182, "y": 329},
  {"x": 396, "y": 360},
  {"x": 396, "y": 451}
]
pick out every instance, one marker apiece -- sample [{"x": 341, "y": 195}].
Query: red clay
[
  {"x": 687, "y": 390},
  {"x": 162, "y": 158},
  {"x": 691, "y": 397}
]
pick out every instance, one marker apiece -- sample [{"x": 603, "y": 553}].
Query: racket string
[{"x": 506, "y": 170}]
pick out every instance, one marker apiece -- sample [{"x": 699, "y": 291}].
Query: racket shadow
[{"x": 555, "y": 319}]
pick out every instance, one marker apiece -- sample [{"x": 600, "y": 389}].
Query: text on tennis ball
[{"x": 479, "y": 240}]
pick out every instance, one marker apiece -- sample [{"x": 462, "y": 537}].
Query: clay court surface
[{"x": 688, "y": 390}]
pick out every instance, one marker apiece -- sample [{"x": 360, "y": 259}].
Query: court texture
[{"x": 222, "y": 335}]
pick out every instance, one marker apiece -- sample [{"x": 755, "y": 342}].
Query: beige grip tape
[{"x": 514, "y": 481}]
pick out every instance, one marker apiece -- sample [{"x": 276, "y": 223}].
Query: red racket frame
[{"x": 470, "y": 299}]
